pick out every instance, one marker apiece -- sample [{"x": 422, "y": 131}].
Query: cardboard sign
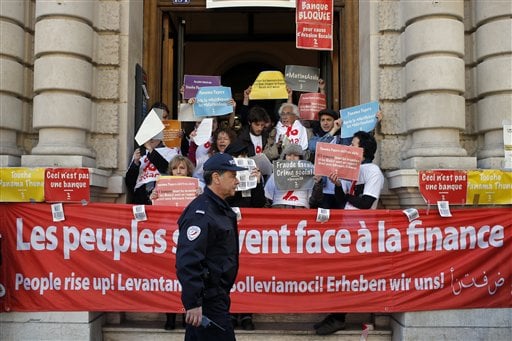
[
  {"x": 177, "y": 191},
  {"x": 269, "y": 85},
  {"x": 293, "y": 174},
  {"x": 443, "y": 185},
  {"x": 19, "y": 184},
  {"x": 310, "y": 104},
  {"x": 361, "y": 117},
  {"x": 302, "y": 78},
  {"x": 213, "y": 101},
  {"x": 335, "y": 158},
  {"x": 172, "y": 133},
  {"x": 66, "y": 184},
  {"x": 192, "y": 83},
  {"x": 489, "y": 187},
  {"x": 314, "y": 24}
]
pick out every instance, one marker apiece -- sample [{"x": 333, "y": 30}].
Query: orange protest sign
[{"x": 172, "y": 133}]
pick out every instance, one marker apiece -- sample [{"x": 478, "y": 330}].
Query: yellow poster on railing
[
  {"x": 489, "y": 187},
  {"x": 19, "y": 184}
]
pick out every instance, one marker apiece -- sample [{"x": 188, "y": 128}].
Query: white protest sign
[
  {"x": 204, "y": 131},
  {"x": 151, "y": 126}
]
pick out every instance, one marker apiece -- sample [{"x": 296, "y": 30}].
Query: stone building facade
[{"x": 441, "y": 70}]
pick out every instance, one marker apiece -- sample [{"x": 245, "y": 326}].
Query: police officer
[{"x": 207, "y": 253}]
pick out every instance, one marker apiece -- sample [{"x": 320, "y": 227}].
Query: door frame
[{"x": 158, "y": 59}]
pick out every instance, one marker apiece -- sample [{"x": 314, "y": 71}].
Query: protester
[
  {"x": 148, "y": 162},
  {"x": 289, "y": 128},
  {"x": 220, "y": 139},
  {"x": 254, "y": 198},
  {"x": 207, "y": 253},
  {"x": 361, "y": 194}
]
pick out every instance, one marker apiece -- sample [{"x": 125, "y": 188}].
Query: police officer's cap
[{"x": 221, "y": 161}]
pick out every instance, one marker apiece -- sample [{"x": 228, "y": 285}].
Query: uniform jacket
[{"x": 207, "y": 253}]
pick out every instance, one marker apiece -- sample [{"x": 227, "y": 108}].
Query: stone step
[
  {"x": 269, "y": 327},
  {"x": 353, "y": 318},
  {"x": 266, "y": 331}
]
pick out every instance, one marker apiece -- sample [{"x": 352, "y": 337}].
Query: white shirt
[
  {"x": 148, "y": 171},
  {"x": 257, "y": 142},
  {"x": 286, "y": 197},
  {"x": 297, "y": 133},
  {"x": 372, "y": 178},
  {"x": 201, "y": 157}
]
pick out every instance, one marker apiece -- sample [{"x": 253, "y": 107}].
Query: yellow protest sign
[
  {"x": 21, "y": 184},
  {"x": 489, "y": 186},
  {"x": 269, "y": 85}
]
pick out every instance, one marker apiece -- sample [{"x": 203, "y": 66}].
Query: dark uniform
[{"x": 207, "y": 263}]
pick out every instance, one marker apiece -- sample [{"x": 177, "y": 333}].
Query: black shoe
[
  {"x": 318, "y": 324},
  {"x": 247, "y": 323},
  {"x": 170, "y": 323},
  {"x": 330, "y": 325}
]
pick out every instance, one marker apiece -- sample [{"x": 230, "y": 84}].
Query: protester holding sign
[
  {"x": 221, "y": 138},
  {"x": 148, "y": 162},
  {"x": 365, "y": 193},
  {"x": 255, "y": 198},
  {"x": 361, "y": 194},
  {"x": 327, "y": 132},
  {"x": 288, "y": 198},
  {"x": 289, "y": 129}
]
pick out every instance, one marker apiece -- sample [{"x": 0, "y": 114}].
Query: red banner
[{"x": 101, "y": 259}]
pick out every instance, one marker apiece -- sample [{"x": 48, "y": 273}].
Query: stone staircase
[{"x": 269, "y": 327}]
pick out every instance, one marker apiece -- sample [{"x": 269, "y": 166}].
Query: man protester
[
  {"x": 207, "y": 253},
  {"x": 362, "y": 194}
]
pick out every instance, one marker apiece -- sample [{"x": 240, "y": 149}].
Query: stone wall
[{"x": 16, "y": 65}]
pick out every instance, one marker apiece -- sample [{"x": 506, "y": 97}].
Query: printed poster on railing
[
  {"x": 101, "y": 259},
  {"x": 21, "y": 184}
]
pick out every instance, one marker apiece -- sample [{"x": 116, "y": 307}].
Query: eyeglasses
[{"x": 287, "y": 113}]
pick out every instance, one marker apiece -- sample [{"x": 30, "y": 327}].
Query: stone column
[
  {"x": 493, "y": 53},
  {"x": 15, "y": 68},
  {"x": 63, "y": 82},
  {"x": 434, "y": 84}
]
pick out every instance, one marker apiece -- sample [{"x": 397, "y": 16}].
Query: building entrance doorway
[{"x": 234, "y": 43}]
